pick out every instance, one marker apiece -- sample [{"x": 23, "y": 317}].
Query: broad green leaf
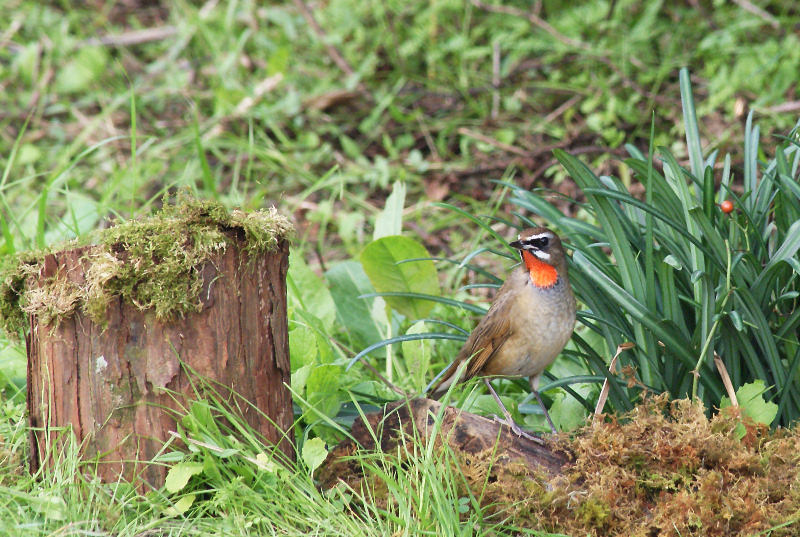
[
  {"x": 348, "y": 283},
  {"x": 267, "y": 464},
  {"x": 567, "y": 412},
  {"x": 181, "y": 506},
  {"x": 300, "y": 377},
  {"x": 483, "y": 403},
  {"x": 26, "y": 62},
  {"x": 28, "y": 154},
  {"x": 200, "y": 417},
  {"x": 51, "y": 506},
  {"x": 322, "y": 388},
  {"x": 382, "y": 261},
  {"x": 314, "y": 453},
  {"x": 390, "y": 220},
  {"x": 82, "y": 70},
  {"x": 736, "y": 319},
  {"x": 752, "y": 403},
  {"x": 417, "y": 355},
  {"x": 325, "y": 350},
  {"x": 302, "y": 347},
  {"x": 178, "y": 476},
  {"x": 81, "y": 217},
  {"x": 308, "y": 292},
  {"x": 225, "y": 453}
]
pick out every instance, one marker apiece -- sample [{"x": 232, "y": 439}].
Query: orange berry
[{"x": 726, "y": 206}]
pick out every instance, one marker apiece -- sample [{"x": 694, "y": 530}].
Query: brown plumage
[{"x": 528, "y": 323}]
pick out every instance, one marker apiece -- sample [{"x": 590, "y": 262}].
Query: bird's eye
[{"x": 540, "y": 242}]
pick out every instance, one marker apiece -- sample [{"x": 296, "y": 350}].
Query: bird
[{"x": 528, "y": 323}]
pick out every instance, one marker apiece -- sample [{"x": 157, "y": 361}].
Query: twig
[
  {"x": 384, "y": 379},
  {"x": 726, "y": 380},
  {"x": 495, "y": 79},
  {"x": 375, "y": 372},
  {"x": 426, "y": 133},
  {"x": 532, "y": 18},
  {"x": 216, "y": 449},
  {"x": 134, "y": 37},
  {"x": 335, "y": 55},
  {"x": 207, "y": 8},
  {"x": 42, "y": 83},
  {"x": 329, "y": 99},
  {"x": 12, "y": 29},
  {"x": 264, "y": 87},
  {"x": 629, "y": 83},
  {"x": 566, "y": 105},
  {"x": 612, "y": 368},
  {"x": 491, "y": 141},
  {"x": 791, "y": 106},
  {"x": 757, "y": 11}
]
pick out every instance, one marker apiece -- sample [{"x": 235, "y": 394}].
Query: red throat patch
[{"x": 542, "y": 274}]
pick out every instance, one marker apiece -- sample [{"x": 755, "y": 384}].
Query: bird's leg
[
  {"x": 544, "y": 408},
  {"x": 509, "y": 421},
  {"x": 534, "y": 382}
]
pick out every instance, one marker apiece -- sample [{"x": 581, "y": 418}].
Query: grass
[
  {"x": 237, "y": 487},
  {"x": 246, "y": 104}
]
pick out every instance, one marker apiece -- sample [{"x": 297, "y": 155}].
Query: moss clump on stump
[
  {"x": 153, "y": 263},
  {"x": 122, "y": 329}
]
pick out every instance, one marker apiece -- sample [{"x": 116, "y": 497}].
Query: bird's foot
[{"x": 517, "y": 430}]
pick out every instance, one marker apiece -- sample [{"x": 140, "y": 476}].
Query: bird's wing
[{"x": 483, "y": 343}]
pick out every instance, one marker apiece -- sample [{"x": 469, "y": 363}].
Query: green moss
[
  {"x": 153, "y": 263},
  {"x": 655, "y": 482},
  {"x": 593, "y": 513},
  {"x": 14, "y": 271}
]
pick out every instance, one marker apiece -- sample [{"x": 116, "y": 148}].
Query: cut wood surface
[
  {"x": 116, "y": 385},
  {"x": 464, "y": 433}
]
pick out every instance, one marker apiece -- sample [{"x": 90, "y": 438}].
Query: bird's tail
[{"x": 441, "y": 382}]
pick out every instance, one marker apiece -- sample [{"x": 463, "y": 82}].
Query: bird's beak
[{"x": 516, "y": 244}]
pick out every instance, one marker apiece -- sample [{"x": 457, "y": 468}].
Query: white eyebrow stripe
[{"x": 545, "y": 235}]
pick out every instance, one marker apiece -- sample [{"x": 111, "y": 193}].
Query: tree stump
[{"x": 118, "y": 381}]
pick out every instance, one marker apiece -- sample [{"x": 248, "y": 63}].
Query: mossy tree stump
[{"x": 112, "y": 359}]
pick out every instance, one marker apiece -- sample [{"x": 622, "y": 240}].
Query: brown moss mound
[{"x": 665, "y": 469}]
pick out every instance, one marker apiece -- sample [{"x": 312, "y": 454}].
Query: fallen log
[{"x": 463, "y": 432}]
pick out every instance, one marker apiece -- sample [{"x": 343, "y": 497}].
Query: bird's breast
[{"x": 541, "y": 322}]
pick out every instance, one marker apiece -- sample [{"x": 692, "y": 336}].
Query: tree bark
[{"x": 120, "y": 387}]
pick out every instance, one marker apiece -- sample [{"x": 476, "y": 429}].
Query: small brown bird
[{"x": 527, "y": 325}]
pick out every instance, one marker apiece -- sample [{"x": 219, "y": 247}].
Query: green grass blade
[
  {"x": 480, "y": 221},
  {"x": 400, "y": 339},
  {"x": 433, "y": 298},
  {"x": 693, "y": 143},
  {"x": 636, "y": 309}
]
